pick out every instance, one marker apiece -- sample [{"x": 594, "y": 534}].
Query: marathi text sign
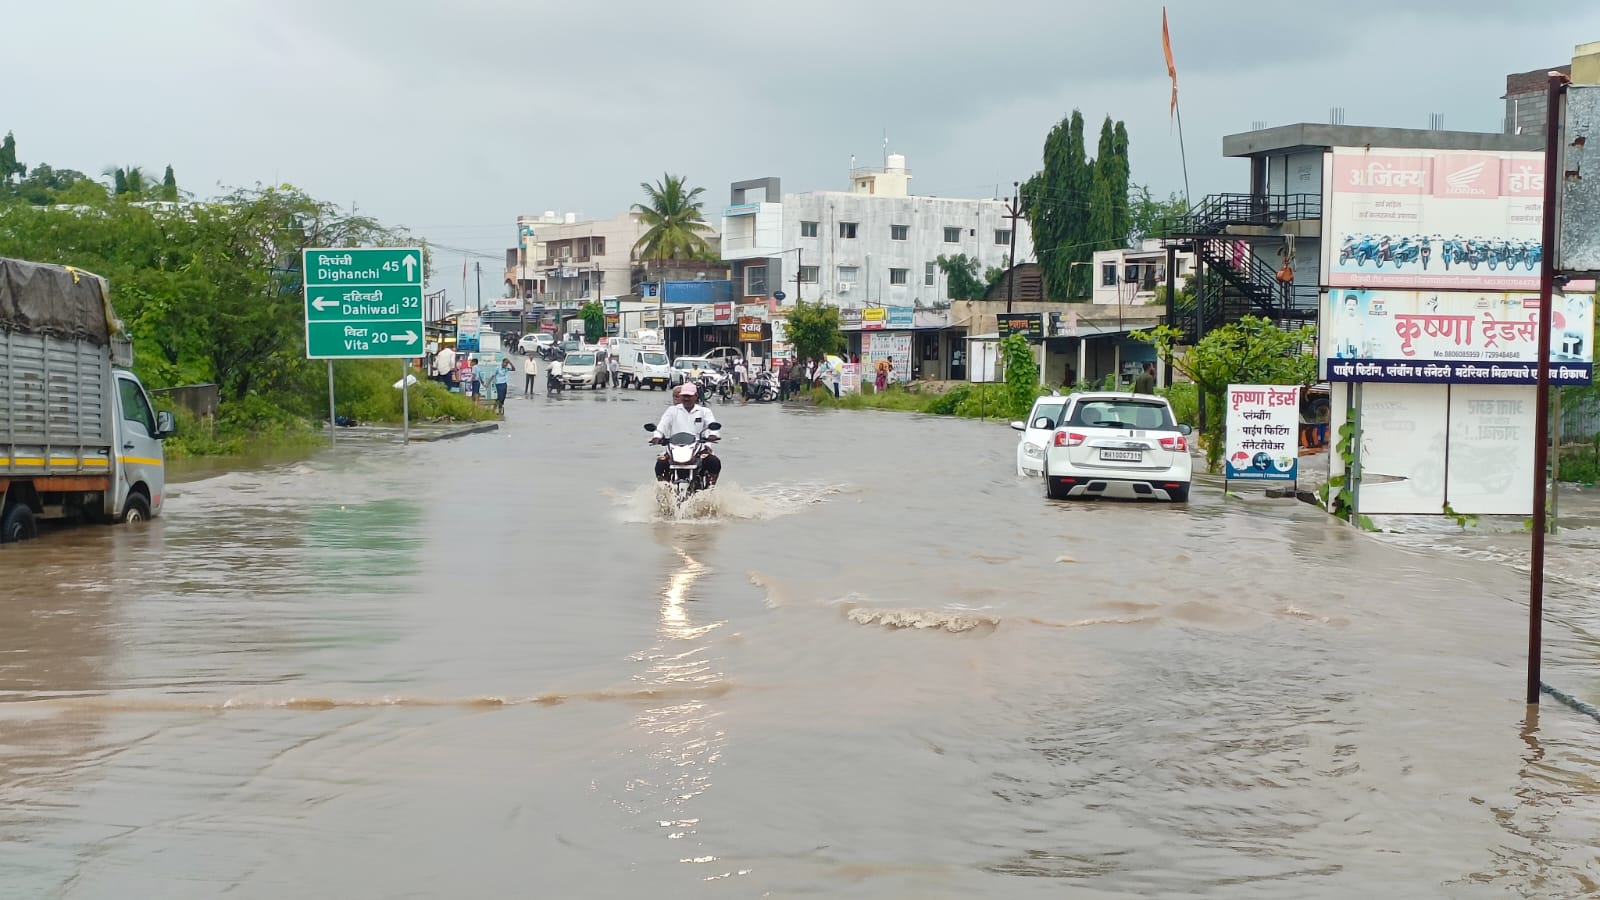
[
  {"x": 1029, "y": 324},
  {"x": 1441, "y": 338},
  {"x": 749, "y": 329},
  {"x": 874, "y": 318},
  {"x": 1263, "y": 441},
  {"x": 1433, "y": 218}
]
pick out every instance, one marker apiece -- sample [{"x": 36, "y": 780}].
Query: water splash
[{"x": 654, "y": 502}]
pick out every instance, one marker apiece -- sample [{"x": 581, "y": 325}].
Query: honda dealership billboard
[{"x": 1433, "y": 219}]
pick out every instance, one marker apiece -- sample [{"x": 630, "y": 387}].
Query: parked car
[
  {"x": 531, "y": 343},
  {"x": 723, "y": 357},
  {"x": 1036, "y": 431},
  {"x": 1110, "y": 444},
  {"x": 582, "y": 370},
  {"x": 683, "y": 365}
]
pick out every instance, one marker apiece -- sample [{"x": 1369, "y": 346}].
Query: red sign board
[{"x": 722, "y": 313}]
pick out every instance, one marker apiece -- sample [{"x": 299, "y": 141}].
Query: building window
[
  {"x": 927, "y": 274},
  {"x": 599, "y": 246},
  {"x": 899, "y": 232},
  {"x": 755, "y": 281},
  {"x": 898, "y": 276},
  {"x": 849, "y": 274},
  {"x": 1108, "y": 275},
  {"x": 952, "y": 235},
  {"x": 808, "y": 229},
  {"x": 847, "y": 229},
  {"x": 1002, "y": 236},
  {"x": 808, "y": 274}
]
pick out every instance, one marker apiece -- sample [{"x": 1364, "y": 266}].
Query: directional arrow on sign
[
  {"x": 410, "y": 337},
  {"x": 322, "y": 304},
  {"x": 410, "y": 262}
]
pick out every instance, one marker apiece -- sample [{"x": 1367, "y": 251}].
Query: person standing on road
[
  {"x": 1146, "y": 382},
  {"x": 481, "y": 376},
  {"x": 530, "y": 374},
  {"x": 741, "y": 375},
  {"x": 611, "y": 369},
  {"x": 501, "y": 379},
  {"x": 465, "y": 375},
  {"x": 785, "y": 370}
]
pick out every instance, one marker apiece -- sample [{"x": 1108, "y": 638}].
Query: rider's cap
[{"x": 688, "y": 389}]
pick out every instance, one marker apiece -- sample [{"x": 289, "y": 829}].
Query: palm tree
[{"x": 676, "y": 227}]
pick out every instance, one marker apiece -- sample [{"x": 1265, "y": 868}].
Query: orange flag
[{"x": 1172, "y": 70}]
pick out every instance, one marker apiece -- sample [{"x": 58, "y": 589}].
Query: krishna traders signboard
[
  {"x": 1263, "y": 434},
  {"x": 1420, "y": 219},
  {"x": 1454, "y": 337}
]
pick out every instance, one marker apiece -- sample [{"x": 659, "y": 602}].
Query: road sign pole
[
  {"x": 405, "y": 401},
  {"x": 333, "y": 419}
]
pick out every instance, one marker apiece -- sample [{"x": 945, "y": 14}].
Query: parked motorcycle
[
  {"x": 686, "y": 454},
  {"x": 764, "y": 387}
]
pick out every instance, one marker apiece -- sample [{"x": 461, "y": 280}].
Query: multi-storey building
[{"x": 876, "y": 244}]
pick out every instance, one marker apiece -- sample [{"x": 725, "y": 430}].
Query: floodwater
[{"x": 877, "y": 665}]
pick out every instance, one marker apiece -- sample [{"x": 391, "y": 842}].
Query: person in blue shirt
[
  {"x": 502, "y": 382},
  {"x": 480, "y": 378}
]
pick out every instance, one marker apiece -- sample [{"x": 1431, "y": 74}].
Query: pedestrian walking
[
  {"x": 611, "y": 369},
  {"x": 785, "y": 372},
  {"x": 530, "y": 374},
  {"x": 502, "y": 382}
]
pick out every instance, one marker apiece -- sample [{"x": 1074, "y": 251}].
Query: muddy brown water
[{"x": 877, "y": 665}]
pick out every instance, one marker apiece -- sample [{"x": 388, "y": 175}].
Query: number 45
[{"x": 391, "y": 266}]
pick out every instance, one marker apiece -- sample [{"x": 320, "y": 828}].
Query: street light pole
[{"x": 1012, "y": 213}]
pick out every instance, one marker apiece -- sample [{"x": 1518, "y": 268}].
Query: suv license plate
[{"x": 1122, "y": 455}]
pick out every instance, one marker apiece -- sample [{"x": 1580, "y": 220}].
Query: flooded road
[{"x": 877, "y": 666}]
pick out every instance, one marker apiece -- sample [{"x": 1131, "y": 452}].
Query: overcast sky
[{"x": 453, "y": 117}]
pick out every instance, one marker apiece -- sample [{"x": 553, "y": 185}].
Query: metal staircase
[{"x": 1238, "y": 282}]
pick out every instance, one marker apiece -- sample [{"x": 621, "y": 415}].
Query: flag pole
[
  {"x": 1172, "y": 73},
  {"x": 1182, "y": 155}
]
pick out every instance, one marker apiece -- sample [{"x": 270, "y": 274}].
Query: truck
[
  {"x": 641, "y": 365},
  {"x": 79, "y": 438}
]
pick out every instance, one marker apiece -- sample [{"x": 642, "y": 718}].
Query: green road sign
[{"x": 363, "y": 303}]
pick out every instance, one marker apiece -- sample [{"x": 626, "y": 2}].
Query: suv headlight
[{"x": 1033, "y": 450}]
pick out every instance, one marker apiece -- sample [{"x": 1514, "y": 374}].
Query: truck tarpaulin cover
[{"x": 55, "y": 300}]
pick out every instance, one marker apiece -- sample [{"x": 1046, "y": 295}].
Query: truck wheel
[
  {"x": 18, "y": 525},
  {"x": 137, "y": 509}
]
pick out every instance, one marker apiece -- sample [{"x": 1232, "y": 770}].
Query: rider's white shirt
[{"x": 677, "y": 420}]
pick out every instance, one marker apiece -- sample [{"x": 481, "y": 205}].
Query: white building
[
  {"x": 1136, "y": 277},
  {"x": 876, "y": 244},
  {"x": 561, "y": 258}
]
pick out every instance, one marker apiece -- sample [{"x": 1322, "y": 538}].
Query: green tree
[
  {"x": 813, "y": 330},
  {"x": 961, "y": 277},
  {"x": 1057, "y": 198},
  {"x": 9, "y": 166},
  {"x": 1249, "y": 351},
  {"x": 1022, "y": 374},
  {"x": 674, "y": 221},
  {"x": 169, "y": 185},
  {"x": 1149, "y": 217},
  {"x": 594, "y": 321},
  {"x": 128, "y": 181}
]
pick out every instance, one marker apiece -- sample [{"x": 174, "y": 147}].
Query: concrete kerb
[{"x": 463, "y": 431}]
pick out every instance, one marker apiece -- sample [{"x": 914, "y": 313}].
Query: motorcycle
[
  {"x": 1404, "y": 251},
  {"x": 1425, "y": 251},
  {"x": 553, "y": 385},
  {"x": 764, "y": 387},
  {"x": 1366, "y": 250},
  {"x": 685, "y": 453}
]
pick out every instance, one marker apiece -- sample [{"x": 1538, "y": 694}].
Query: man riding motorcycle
[{"x": 687, "y": 415}]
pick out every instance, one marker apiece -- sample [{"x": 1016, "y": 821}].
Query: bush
[{"x": 1185, "y": 399}]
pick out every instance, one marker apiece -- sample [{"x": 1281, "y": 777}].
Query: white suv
[{"x": 1110, "y": 444}]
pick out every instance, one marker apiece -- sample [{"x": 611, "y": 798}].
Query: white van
[{"x": 642, "y": 365}]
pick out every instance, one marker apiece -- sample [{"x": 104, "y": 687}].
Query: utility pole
[
  {"x": 1013, "y": 212},
  {"x": 478, "y": 267},
  {"x": 798, "y": 253}
]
